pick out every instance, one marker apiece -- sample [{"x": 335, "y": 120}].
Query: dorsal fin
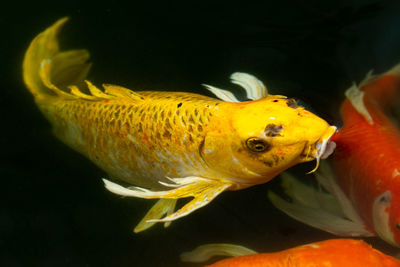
[
  {"x": 255, "y": 89},
  {"x": 221, "y": 93},
  {"x": 120, "y": 91},
  {"x": 356, "y": 97},
  {"x": 75, "y": 91},
  {"x": 96, "y": 91}
]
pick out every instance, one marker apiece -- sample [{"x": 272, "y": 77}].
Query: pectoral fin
[
  {"x": 162, "y": 207},
  {"x": 356, "y": 97},
  {"x": 202, "y": 190},
  {"x": 330, "y": 211},
  {"x": 319, "y": 218},
  {"x": 203, "y": 194}
]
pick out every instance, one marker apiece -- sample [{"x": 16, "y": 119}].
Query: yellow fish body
[{"x": 170, "y": 145}]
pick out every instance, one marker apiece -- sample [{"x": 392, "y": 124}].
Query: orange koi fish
[
  {"x": 364, "y": 185},
  {"x": 332, "y": 253},
  {"x": 170, "y": 145}
]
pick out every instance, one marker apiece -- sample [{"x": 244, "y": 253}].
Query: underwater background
[{"x": 54, "y": 210}]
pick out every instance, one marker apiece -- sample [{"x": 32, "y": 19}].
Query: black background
[{"x": 54, "y": 210}]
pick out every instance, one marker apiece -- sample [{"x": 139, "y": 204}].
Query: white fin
[
  {"x": 356, "y": 97},
  {"x": 221, "y": 93},
  {"x": 205, "y": 252},
  {"x": 307, "y": 195},
  {"x": 255, "y": 89},
  {"x": 368, "y": 78},
  {"x": 318, "y": 218},
  {"x": 333, "y": 212},
  {"x": 380, "y": 217},
  {"x": 326, "y": 178},
  {"x": 161, "y": 208},
  {"x": 202, "y": 190}
]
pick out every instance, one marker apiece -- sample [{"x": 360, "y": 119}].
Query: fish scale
[
  {"x": 156, "y": 127},
  {"x": 170, "y": 145}
]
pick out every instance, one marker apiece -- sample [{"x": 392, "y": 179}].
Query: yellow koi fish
[{"x": 170, "y": 145}]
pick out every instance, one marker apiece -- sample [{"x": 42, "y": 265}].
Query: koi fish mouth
[{"x": 324, "y": 147}]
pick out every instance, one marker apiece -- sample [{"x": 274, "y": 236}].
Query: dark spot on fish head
[
  {"x": 275, "y": 100},
  {"x": 179, "y": 105},
  {"x": 268, "y": 163},
  {"x": 397, "y": 226},
  {"x": 276, "y": 159},
  {"x": 273, "y": 130},
  {"x": 292, "y": 103}
]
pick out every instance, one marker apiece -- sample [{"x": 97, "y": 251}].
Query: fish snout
[{"x": 323, "y": 148}]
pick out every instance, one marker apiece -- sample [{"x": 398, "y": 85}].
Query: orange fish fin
[
  {"x": 162, "y": 207},
  {"x": 205, "y": 252}
]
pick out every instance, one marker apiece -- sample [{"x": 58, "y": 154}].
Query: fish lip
[{"x": 323, "y": 147}]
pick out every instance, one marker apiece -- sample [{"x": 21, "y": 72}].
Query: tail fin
[{"x": 47, "y": 71}]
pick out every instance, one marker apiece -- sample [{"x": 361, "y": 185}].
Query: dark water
[{"x": 54, "y": 210}]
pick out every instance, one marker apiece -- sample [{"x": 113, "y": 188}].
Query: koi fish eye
[
  {"x": 257, "y": 145},
  {"x": 397, "y": 226}
]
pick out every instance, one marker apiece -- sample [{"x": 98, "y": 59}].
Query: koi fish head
[
  {"x": 268, "y": 136},
  {"x": 386, "y": 218}
]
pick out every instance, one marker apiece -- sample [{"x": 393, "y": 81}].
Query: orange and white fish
[
  {"x": 170, "y": 145},
  {"x": 365, "y": 182},
  {"x": 332, "y": 253}
]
